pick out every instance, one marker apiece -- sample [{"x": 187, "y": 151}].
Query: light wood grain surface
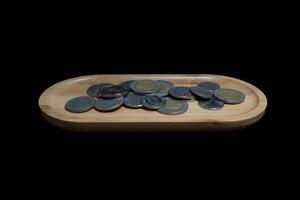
[{"x": 231, "y": 117}]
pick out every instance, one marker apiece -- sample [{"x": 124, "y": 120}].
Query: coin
[
  {"x": 181, "y": 92},
  {"x": 144, "y": 86},
  {"x": 80, "y": 104},
  {"x": 133, "y": 100},
  {"x": 113, "y": 91},
  {"x": 210, "y": 86},
  {"x": 153, "y": 101},
  {"x": 126, "y": 84},
  {"x": 95, "y": 89},
  {"x": 164, "y": 87},
  {"x": 109, "y": 104},
  {"x": 211, "y": 104},
  {"x": 201, "y": 92},
  {"x": 230, "y": 96},
  {"x": 173, "y": 106}
]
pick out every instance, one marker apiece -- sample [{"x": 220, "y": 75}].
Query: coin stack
[{"x": 159, "y": 95}]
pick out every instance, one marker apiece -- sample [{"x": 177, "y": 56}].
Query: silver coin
[
  {"x": 80, "y": 104},
  {"x": 126, "y": 84},
  {"x": 201, "y": 92},
  {"x": 181, "y": 93},
  {"x": 113, "y": 91},
  {"x": 229, "y": 96},
  {"x": 109, "y": 104},
  {"x": 144, "y": 86},
  {"x": 133, "y": 100},
  {"x": 95, "y": 89},
  {"x": 209, "y": 86},
  {"x": 211, "y": 104},
  {"x": 164, "y": 87},
  {"x": 173, "y": 106},
  {"x": 153, "y": 101}
]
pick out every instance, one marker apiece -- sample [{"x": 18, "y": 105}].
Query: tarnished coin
[
  {"x": 211, "y": 104},
  {"x": 95, "y": 89},
  {"x": 181, "y": 93},
  {"x": 113, "y": 91},
  {"x": 173, "y": 106},
  {"x": 109, "y": 104},
  {"x": 133, "y": 100},
  {"x": 144, "y": 86},
  {"x": 80, "y": 104},
  {"x": 229, "y": 96},
  {"x": 164, "y": 87},
  {"x": 209, "y": 86},
  {"x": 201, "y": 92},
  {"x": 153, "y": 101},
  {"x": 126, "y": 84}
]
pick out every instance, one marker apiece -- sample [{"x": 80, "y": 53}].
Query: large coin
[
  {"x": 144, "y": 86},
  {"x": 133, "y": 100},
  {"x": 201, "y": 92},
  {"x": 173, "y": 107},
  {"x": 181, "y": 93},
  {"x": 109, "y": 104},
  {"x": 80, "y": 104},
  {"x": 211, "y": 104},
  {"x": 229, "y": 96},
  {"x": 209, "y": 86},
  {"x": 95, "y": 89},
  {"x": 164, "y": 87},
  {"x": 113, "y": 91},
  {"x": 153, "y": 101}
]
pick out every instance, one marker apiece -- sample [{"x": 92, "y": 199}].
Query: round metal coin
[
  {"x": 164, "y": 87},
  {"x": 113, "y": 91},
  {"x": 95, "y": 89},
  {"x": 209, "y": 86},
  {"x": 153, "y": 101},
  {"x": 80, "y": 104},
  {"x": 144, "y": 86},
  {"x": 229, "y": 96},
  {"x": 201, "y": 92},
  {"x": 173, "y": 107},
  {"x": 109, "y": 104},
  {"x": 181, "y": 93},
  {"x": 126, "y": 84},
  {"x": 133, "y": 100},
  {"x": 211, "y": 104}
]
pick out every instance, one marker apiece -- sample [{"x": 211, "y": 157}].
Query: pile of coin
[{"x": 159, "y": 95}]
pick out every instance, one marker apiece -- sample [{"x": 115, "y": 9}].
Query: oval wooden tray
[{"x": 53, "y": 99}]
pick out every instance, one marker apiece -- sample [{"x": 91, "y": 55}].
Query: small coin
[
  {"x": 181, "y": 93},
  {"x": 211, "y": 104},
  {"x": 95, "y": 89},
  {"x": 144, "y": 86},
  {"x": 209, "y": 86},
  {"x": 133, "y": 100},
  {"x": 173, "y": 106},
  {"x": 201, "y": 92},
  {"x": 153, "y": 101},
  {"x": 113, "y": 91},
  {"x": 126, "y": 84},
  {"x": 164, "y": 87},
  {"x": 229, "y": 96},
  {"x": 80, "y": 104},
  {"x": 109, "y": 104}
]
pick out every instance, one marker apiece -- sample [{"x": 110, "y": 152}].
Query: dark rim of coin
[
  {"x": 173, "y": 106},
  {"x": 133, "y": 100},
  {"x": 211, "y": 104},
  {"x": 80, "y": 104},
  {"x": 229, "y": 96},
  {"x": 146, "y": 86},
  {"x": 181, "y": 92},
  {"x": 153, "y": 101},
  {"x": 109, "y": 104},
  {"x": 95, "y": 89},
  {"x": 210, "y": 86},
  {"x": 113, "y": 91},
  {"x": 201, "y": 92},
  {"x": 164, "y": 87}
]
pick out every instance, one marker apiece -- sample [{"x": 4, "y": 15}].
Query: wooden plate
[{"x": 52, "y": 103}]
